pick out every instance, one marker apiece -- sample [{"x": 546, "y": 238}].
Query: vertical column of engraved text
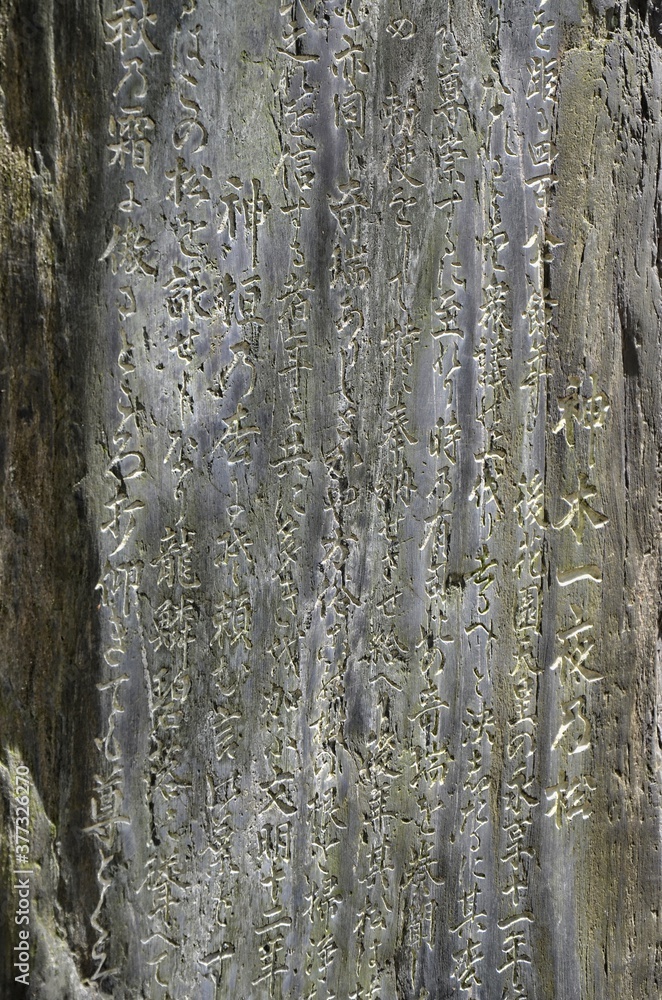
[{"x": 130, "y": 258}]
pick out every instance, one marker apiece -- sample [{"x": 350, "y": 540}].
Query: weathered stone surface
[{"x": 331, "y": 498}]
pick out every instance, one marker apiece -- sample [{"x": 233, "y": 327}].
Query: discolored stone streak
[{"x": 52, "y": 119}]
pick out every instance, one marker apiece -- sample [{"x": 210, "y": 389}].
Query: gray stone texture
[{"x": 329, "y": 437}]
